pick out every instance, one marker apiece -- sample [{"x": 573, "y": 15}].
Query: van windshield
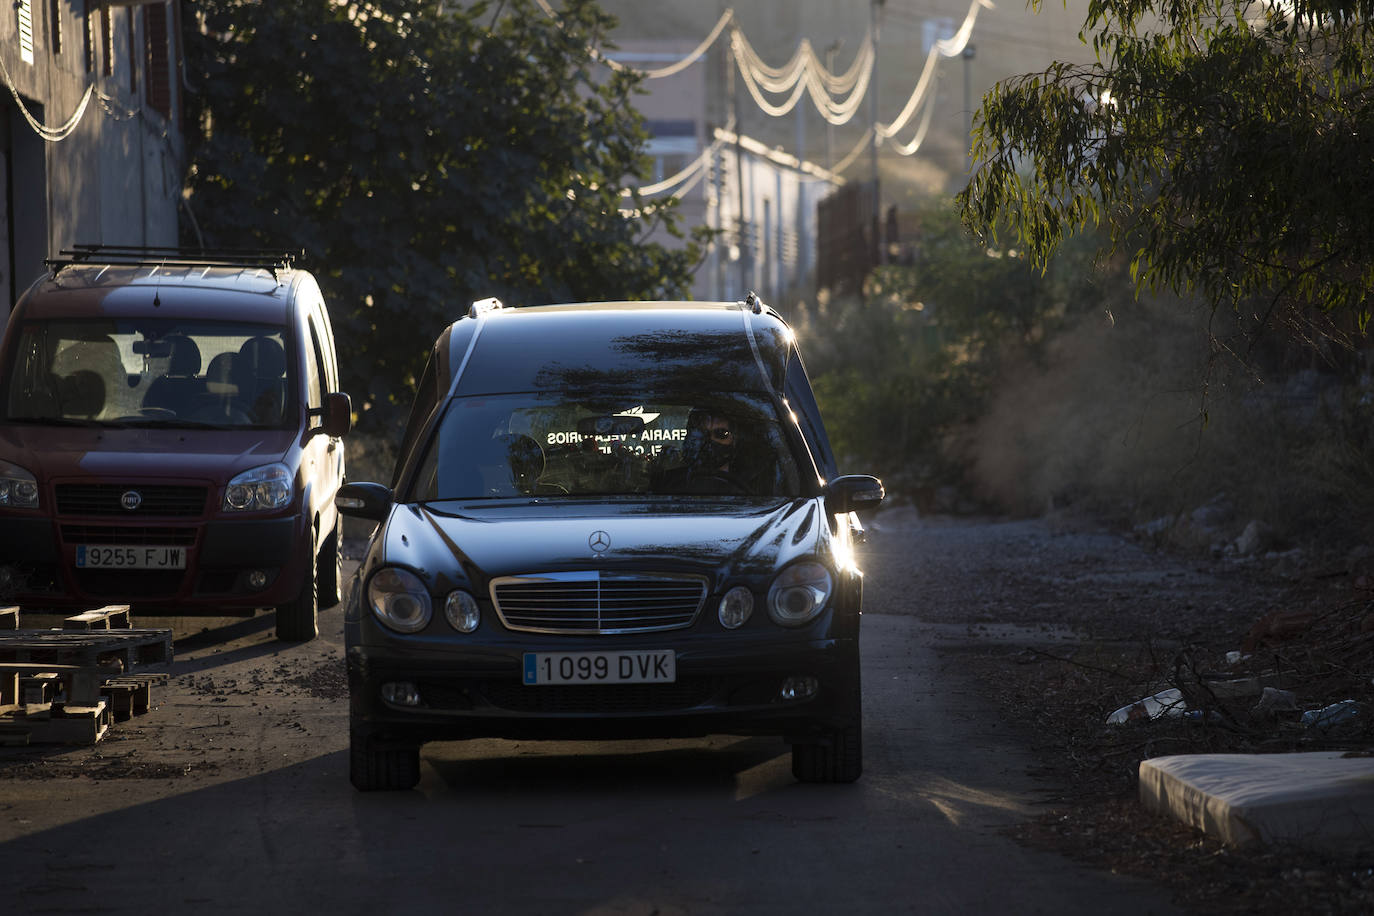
[{"x": 151, "y": 372}]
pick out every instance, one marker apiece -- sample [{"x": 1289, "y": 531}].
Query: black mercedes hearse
[{"x": 609, "y": 520}]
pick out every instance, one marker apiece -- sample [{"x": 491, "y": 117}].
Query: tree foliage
[
  {"x": 424, "y": 155},
  {"x": 1225, "y": 146},
  {"x": 905, "y": 367}
]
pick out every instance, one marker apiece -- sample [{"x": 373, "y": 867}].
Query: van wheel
[
  {"x": 330, "y": 565},
  {"x": 296, "y": 619},
  {"x": 376, "y": 765}
]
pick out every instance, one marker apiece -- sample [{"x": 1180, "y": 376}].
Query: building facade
[{"x": 91, "y": 144}]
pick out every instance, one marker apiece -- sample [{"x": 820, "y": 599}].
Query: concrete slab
[{"x": 1321, "y": 800}]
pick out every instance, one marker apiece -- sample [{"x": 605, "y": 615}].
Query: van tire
[
  {"x": 330, "y": 565},
  {"x": 296, "y": 620}
]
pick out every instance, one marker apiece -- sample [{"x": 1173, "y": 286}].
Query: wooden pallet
[
  {"x": 9, "y": 618},
  {"x": 109, "y": 617},
  {"x": 130, "y": 647},
  {"x": 69, "y": 686}
]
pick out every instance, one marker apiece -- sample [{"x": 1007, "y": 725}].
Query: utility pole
[
  {"x": 830, "y": 51},
  {"x": 874, "y": 20},
  {"x": 969, "y": 53},
  {"x": 740, "y": 236}
]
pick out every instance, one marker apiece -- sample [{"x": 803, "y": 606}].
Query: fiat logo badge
[
  {"x": 131, "y": 500},
  {"x": 599, "y": 542}
]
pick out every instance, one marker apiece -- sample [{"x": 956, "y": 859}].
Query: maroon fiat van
[{"x": 170, "y": 438}]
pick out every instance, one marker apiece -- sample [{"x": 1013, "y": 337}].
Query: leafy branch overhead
[
  {"x": 424, "y": 154},
  {"x": 1224, "y": 146}
]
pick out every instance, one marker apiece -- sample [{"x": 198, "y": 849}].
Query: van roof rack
[{"x": 151, "y": 256}]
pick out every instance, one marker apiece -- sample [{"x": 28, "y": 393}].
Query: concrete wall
[{"x": 114, "y": 176}]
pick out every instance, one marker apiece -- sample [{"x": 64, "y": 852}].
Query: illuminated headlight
[
  {"x": 267, "y": 487},
  {"x": 18, "y": 488},
  {"x": 462, "y": 612},
  {"x": 399, "y": 600},
  {"x": 735, "y": 607},
  {"x": 799, "y": 593}
]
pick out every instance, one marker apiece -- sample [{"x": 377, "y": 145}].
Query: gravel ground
[{"x": 1144, "y": 620}]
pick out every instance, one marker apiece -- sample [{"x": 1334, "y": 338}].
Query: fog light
[
  {"x": 799, "y": 688},
  {"x": 401, "y": 693},
  {"x": 257, "y": 579}
]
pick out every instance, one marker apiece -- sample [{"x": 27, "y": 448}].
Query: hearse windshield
[
  {"x": 709, "y": 443},
  {"x": 150, "y": 372}
]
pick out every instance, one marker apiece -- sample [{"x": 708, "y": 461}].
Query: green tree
[
  {"x": 424, "y": 154},
  {"x": 1224, "y": 145},
  {"x": 901, "y": 370}
]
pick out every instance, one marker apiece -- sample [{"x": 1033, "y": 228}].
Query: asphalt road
[{"x": 232, "y": 795}]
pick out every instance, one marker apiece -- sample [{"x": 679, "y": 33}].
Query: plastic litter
[
  {"x": 1335, "y": 714},
  {"x": 1165, "y": 703}
]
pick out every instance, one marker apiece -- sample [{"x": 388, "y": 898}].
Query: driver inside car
[{"x": 708, "y": 456}]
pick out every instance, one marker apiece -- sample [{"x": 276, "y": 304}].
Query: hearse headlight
[
  {"x": 462, "y": 612},
  {"x": 799, "y": 593},
  {"x": 267, "y": 487},
  {"x": 736, "y": 607},
  {"x": 399, "y": 600},
  {"x": 18, "y": 488}
]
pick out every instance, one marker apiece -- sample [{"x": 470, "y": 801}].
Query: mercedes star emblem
[
  {"x": 599, "y": 542},
  {"x": 131, "y": 499}
]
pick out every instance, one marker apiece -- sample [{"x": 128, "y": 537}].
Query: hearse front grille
[
  {"x": 598, "y": 603},
  {"x": 110, "y": 499}
]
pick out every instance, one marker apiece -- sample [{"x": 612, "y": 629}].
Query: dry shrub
[{"x": 1146, "y": 416}]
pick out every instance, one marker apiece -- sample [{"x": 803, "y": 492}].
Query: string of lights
[
  {"x": 50, "y": 134},
  {"x": 837, "y": 96}
]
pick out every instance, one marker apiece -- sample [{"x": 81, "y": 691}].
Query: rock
[
  {"x": 1252, "y": 539},
  {"x": 1214, "y": 514},
  {"x": 1273, "y": 701}
]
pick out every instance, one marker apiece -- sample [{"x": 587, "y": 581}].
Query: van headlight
[
  {"x": 18, "y": 488},
  {"x": 799, "y": 593},
  {"x": 267, "y": 487},
  {"x": 399, "y": 600}
]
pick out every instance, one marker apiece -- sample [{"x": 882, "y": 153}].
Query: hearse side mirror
[
  {"x": 853, "y": 493},
  {"x": 364, "y": 500},
  {"x": 338, "y": 414}
]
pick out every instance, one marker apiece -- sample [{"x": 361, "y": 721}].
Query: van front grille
[{"x": 115, "y": 499}]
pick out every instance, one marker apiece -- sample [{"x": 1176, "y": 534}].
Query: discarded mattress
[{"x": 1320, "y": 800}]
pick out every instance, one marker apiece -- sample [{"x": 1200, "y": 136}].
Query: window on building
[
  {"x": 133, "y": 55},
  {"x": 107, "y": 29},
  {"x": 88, "y": 38},
  {"x": 157, "y": 80},
  {"x": 55, "y": 27},
  {"x": 25, "y": 10}
]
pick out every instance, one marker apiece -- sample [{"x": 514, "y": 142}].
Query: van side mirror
[
  {"x": 853, "y": 493},
  {"x": 364, "y": 500},
  {"x": 338, "y": 414}
]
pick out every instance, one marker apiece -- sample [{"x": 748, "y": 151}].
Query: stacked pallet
[{"x": 69, "y": 685}]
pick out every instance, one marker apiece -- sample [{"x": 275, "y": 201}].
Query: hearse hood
[{"x": 469, "y": 544}]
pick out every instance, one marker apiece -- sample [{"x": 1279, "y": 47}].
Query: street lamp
[{"x": 969, "y": 53}]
